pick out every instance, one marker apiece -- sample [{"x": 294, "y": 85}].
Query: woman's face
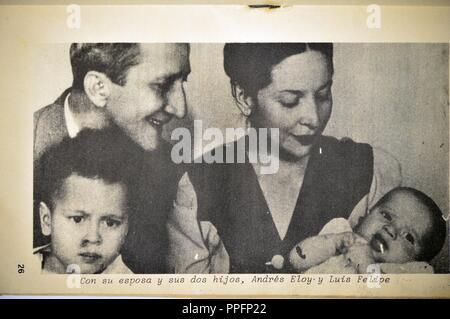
[{"x": 298, "y": 101}]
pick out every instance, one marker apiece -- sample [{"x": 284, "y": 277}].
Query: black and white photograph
[{"x": 241, "y": 158}]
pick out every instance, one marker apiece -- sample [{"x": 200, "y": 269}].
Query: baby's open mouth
[{"x": 378, "y": 243}]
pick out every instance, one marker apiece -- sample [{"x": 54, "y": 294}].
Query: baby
[
  {"x": 84, "y": 193},
  {"x": 404, "y": 226}
]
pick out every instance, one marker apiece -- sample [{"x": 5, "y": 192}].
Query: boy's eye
[
  {"x": 77, "y": 219},
  {"x": 386, "y": 215},
  {"x": 112, "y": 222},
  {"x": 410, "y": 238}
]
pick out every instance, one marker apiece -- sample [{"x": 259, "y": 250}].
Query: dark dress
[
  {"x": 146, "y": 245},
  {"x": 229, "y": 196}
]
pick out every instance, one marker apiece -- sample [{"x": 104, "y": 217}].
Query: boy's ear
[
  {"x": 45, "y": 217},
  {"x": 97, "y": 87},
  {"x": 244, "y": 101}
]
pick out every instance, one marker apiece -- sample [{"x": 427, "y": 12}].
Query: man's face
[
  {"x": 153, "y": 93},
  {"x": 88, "y": 224},
  {"x": 395, "y": 228}
]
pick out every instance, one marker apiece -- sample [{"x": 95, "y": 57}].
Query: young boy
[
  {"x": 84, "y": 188},
  {"x": 404, "y": 226}
]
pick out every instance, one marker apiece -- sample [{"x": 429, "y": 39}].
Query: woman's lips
[{"x": 305, "y": 139}]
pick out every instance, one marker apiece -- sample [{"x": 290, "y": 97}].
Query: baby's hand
[
  {"x": 360, "y": 255},
  {"x": 347, "y": 240}
]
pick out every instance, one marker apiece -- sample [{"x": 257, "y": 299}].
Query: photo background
[{"x": 393, "y": 96}]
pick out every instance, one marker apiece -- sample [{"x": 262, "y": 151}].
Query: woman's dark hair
[
  {"x": 112, "y": 59},
  {"x": 249, "y": 65}
]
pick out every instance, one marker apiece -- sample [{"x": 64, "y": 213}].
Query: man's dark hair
[
  {"x": 249, "y": 65},
  {"x": 435, "y": 238},
  {"x": 112, "y": 59}
]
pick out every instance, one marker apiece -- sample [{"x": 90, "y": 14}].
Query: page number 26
[{"x": 20, "y": 268}]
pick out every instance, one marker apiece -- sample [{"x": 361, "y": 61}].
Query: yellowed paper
[{"x": 390, "y": 90}]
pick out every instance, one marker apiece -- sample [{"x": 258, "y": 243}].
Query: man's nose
[
  {"x": 309, "y": 115},
  {"x": 93, "y": 233},
  {"x": 176, "y": 100},
  {"x": 390, "y": 230}
]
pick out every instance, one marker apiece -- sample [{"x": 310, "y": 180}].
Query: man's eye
[
  {"x": 386, "y": 215},
  {"x": 410, "y": 238},
  {"x": 112, "y": 222},
  {"x": 159, "y": 87},
  {"x": 76, "y": 219}
]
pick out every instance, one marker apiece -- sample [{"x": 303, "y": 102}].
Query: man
[{"x": 137, "y": 88}]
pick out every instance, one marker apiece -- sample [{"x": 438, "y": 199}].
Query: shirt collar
[{"x": 72, "y": 127}]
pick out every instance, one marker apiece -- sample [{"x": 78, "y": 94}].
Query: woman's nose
[
  {"x": 176, "y": 100},
  {"x": 309, "y": 115}
]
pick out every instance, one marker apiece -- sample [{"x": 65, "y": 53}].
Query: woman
[{"x": 231, "y": 218}]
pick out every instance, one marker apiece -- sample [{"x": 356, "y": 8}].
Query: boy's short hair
[
  {"x": 99, "y": 154},
  {"x": 435, "y": 238}
]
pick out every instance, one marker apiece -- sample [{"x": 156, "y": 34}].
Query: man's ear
[
  {"x": 97, "y": 87},
  {"x": 244, "y": 101},
  {"x": 45, "y": 217}
]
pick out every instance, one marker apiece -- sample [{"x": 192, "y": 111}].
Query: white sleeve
[
  {"x": 336, "y": 226},
  {"x": 194, "y": 247},
  {"x": 386, "y": 176}
]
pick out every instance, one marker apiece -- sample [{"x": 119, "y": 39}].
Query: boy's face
[
  {"x": 88, "y": 223},
  {"x": 396, "y": 227}
]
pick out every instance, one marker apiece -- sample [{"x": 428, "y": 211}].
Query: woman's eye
[
  {"x": 289, "y": 103},
  {"x": 410, "y": 238},
  {"x": 77, "y": 219},
  {"x": 386, "y": 215}
]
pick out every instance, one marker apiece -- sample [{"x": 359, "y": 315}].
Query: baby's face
[
  {"x": 395, "y": 228},
  {"x": 88, "y": 223}
]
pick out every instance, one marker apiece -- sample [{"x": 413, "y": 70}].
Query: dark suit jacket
[{"x": 49, "y": 126}]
